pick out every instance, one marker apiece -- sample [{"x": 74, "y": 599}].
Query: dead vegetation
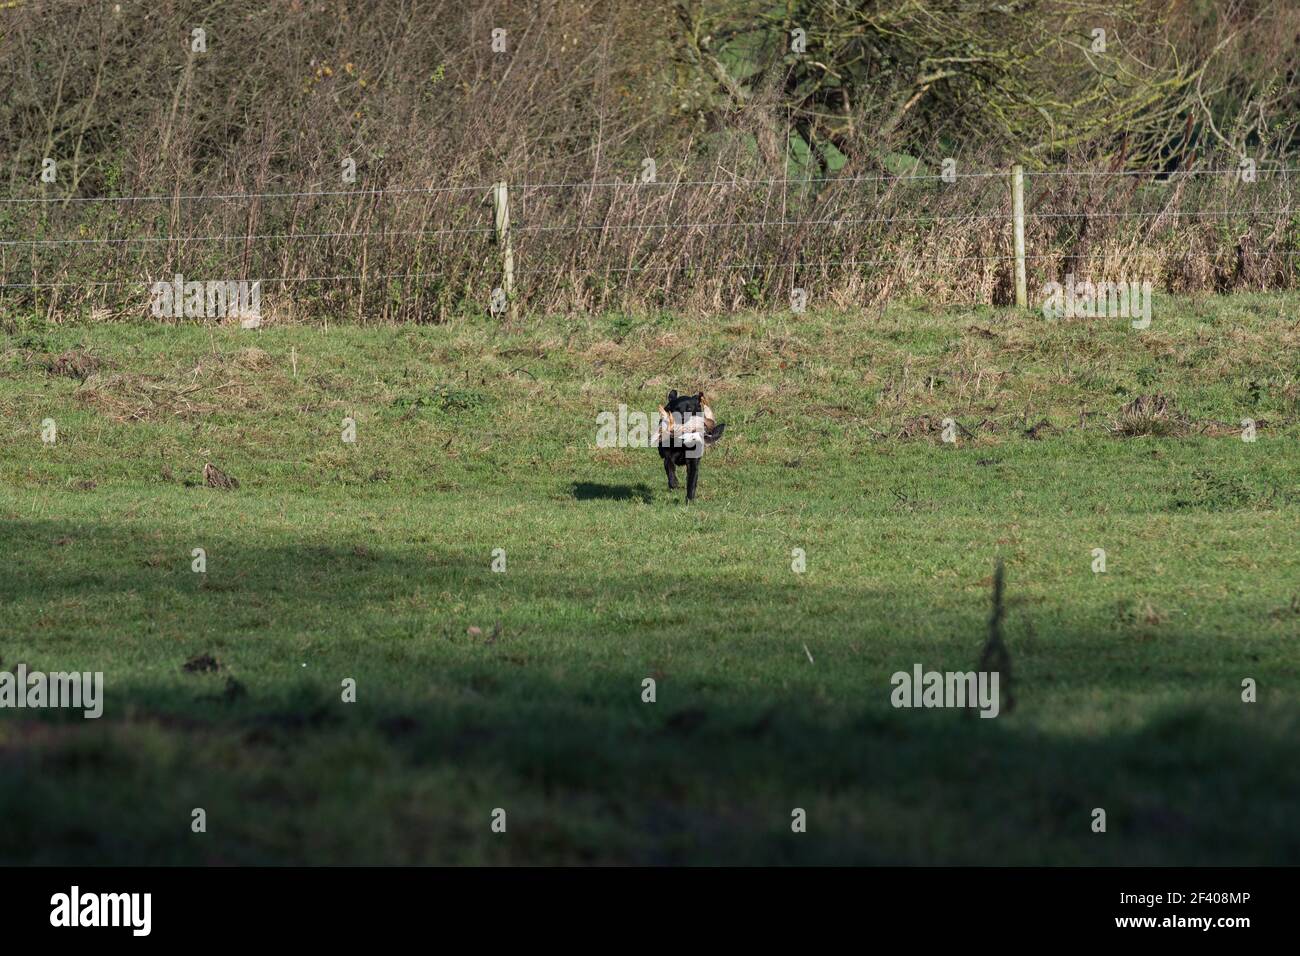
[
  {"x": 127, "y": 397},
  {"x": 232, "y": 381},
  {"x": 252, "y": 359},
  {"x": 73, "y": 363},
  {"x": 770, "y": 176},
  {"x": 1154, "y": 415}
]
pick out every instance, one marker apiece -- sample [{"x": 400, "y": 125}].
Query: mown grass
[{"x": 522, "y": 690}]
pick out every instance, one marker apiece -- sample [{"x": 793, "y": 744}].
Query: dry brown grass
[
  {"x": 73, "y": 363},
  {"x": 1150, "y": 415}
]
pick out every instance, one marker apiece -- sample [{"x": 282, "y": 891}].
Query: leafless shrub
[{"x": 228, "y": 165}]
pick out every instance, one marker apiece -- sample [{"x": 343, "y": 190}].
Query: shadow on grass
[
  {"x": 415, "y": 778},
  {"x": 448, "y": 727},
  {"x": 591, "y": 491}
]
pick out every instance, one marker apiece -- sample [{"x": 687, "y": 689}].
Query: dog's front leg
[
  {"x": 692, "y": 476},
  {"x": 672, "y": 472}
]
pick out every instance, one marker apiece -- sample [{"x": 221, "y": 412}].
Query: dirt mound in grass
[
  {"x": 73, "y": 363},
  {"x": 919, "y": 426}
]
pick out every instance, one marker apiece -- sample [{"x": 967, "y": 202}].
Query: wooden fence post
[
  {"x": 501, "y": 202},
  {"x": 1018, "y": 227}
]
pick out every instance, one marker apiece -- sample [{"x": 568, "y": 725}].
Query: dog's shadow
[{"x": 590, "y": 491}]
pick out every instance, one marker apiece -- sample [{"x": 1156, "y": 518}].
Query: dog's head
[{"x": 684, "y": 406}]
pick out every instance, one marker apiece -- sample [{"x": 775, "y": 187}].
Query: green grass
[{"x": 372, "y": 561}]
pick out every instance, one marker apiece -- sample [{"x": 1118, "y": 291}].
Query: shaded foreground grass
[{"x": 522, "y": 690}]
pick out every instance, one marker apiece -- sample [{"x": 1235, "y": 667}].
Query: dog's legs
[
  {"x": 692, "y": 476},
  {"x": 672, "y": 472}
]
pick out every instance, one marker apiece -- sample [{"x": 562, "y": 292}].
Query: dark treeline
[{"x": 797, "y": 143}]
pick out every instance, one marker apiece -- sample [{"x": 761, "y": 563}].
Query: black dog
[{"x": 686, "y": 429}]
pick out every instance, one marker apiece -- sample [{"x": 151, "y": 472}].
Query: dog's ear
[
  {"x": 700, "y": 398},
  {"x": 672, "y": 395}
]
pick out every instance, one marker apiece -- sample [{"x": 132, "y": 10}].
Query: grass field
[{"x": 522, "y": 690}]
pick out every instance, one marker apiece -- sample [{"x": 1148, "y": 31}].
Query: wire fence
[
  {"x": 484, "y": 189},
  {"x": 579, "y": 227},
  {"x": 805, "y": 242}
]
